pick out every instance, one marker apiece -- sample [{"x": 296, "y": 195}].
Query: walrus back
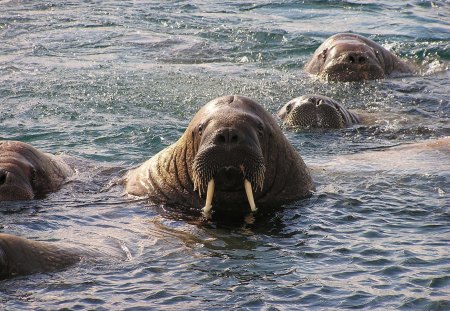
[{"x": 20, "y": 256}]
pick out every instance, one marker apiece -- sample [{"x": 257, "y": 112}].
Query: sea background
[{"x": 111, "y": 83}]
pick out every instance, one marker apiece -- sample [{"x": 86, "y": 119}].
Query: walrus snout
[
  {"x": 316, "y": 111},
  {"x": 348, "y": 66},
  {"x": 229, "y": 165},
  {"x": 300, "y": 112},
  {"x": 344, "y": 71},
  {"x": 14, "y": 187}
]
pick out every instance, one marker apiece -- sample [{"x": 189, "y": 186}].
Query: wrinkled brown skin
[
  {"x": 27, "y": 173},
  {"x": 168, "y": 177},
  {"x": 316, "y": 111},
  {"x": 350, "y": 57},
  {"x": 20, "y": 256}
]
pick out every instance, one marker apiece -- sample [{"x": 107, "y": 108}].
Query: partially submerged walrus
[
  {"x": 27, "y": 173},
  {"x": 351, "y": 57},
  {"x": 316, "y": 111},
  {"x": 20, "y": 256},
  {"x": 233, "y": 153}
]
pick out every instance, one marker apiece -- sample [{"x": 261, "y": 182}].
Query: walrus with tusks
[
  {"x": 316, "y": 111},
  {"x": 233, "y": 156},
  {"x": 20, "y": 256},
  {"x": 27, "y": 173},
  {"x": 350, "y": 57}
]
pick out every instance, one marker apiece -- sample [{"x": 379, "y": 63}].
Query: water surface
[{"x": 113, "y": 82}]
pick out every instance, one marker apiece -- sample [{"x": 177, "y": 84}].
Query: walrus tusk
[
  {"x": 250, "y": 198},
  {"x": 209, "y": 198}
]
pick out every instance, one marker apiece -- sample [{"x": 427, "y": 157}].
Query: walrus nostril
[
  {"x": 221, "y": 138},
  {"x": 351, "y": 59},
  {"x": 362, "y": 59},
  {"x": 234, "y": 138},
  {"x": 227, "y": 136},
  {"x": 3, "y": 175}
]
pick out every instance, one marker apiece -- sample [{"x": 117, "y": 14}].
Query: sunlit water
[{"x": 113, "y": 82}]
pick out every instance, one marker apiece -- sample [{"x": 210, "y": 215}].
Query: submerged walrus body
[
  {"x": 233, "y": 156},
  {"x": 27, "y": 173},
  {"x": 20, "y": 256},
  {"x": 351, "y": 57},
  {"x": 316, "y": 111}
]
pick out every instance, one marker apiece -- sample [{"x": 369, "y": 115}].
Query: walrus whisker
[{"x": 260, "y": 180}]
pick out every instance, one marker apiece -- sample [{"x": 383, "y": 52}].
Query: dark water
[{"x": 113, "y": 82}]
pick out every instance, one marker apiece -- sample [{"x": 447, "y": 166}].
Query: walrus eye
[
  {"x": 33, "y": 173},
  {"x": 33, "y": 176},
  {"x": 200, "y": 129},
  {"x": 323, "y": 55},
  {"x": 288, "y": 108},
  {"x": 379, "y": 57},
  {"x": 260, "y": 129}
]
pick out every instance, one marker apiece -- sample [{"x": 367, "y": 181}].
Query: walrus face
[
  {"x": 350, "y": 60},
  {"x": 18, "y": 171},
  {"x": 229, "y": 163},
  {"x": 16, "y": 178},
  {"x": 311, "y": 112}
]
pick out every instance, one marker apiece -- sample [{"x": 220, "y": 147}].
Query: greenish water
[{"x": 112, "y": 83}]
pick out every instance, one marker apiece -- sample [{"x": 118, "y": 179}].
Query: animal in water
[
  {"x": 27, "y": 173},
  {"x": 351, "y": 57},
  {"x": 233, "y": 157},
  {"x": 316, "y": 111},
  {"x": 20, "y": 256}
]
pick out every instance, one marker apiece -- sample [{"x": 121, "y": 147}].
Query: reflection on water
[{"x": 110, "y": 84}]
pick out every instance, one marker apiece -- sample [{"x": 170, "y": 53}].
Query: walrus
[
  {"x": 316, "y": 111},
  {"x": 350, "y": 57},
  {"x": 27, "y": 173},
  {"x": 233, "y": 156},
  {"x": 20, "y": 256}
]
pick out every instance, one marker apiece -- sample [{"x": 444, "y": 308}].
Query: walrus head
[
  {"x": 316, "y": 111},
  {"x": 233, "y": 154},
  {"x": 348, "y": 57},
  {"x": 25, "y": 172},
  {"x": 16, "y": 177},
  {"x": 230, "y": 138}
]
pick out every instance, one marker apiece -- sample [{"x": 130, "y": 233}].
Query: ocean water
[{"x": 110, "y": 83}]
